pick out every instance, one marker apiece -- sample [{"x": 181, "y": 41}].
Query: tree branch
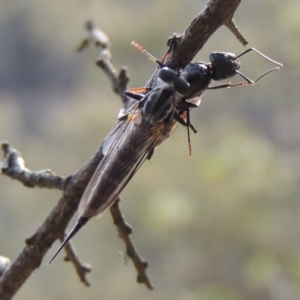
[{"x": 215, "y": 14}]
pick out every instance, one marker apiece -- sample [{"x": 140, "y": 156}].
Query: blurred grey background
[{"x": 220, "y": 225}]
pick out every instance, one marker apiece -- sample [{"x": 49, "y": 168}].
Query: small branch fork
[
  {"x": 101, "y": 41},
  {"x": 81, "y": 268},
  {"x": 13, "y": 166},
  {"x": 215, "y": 14}
]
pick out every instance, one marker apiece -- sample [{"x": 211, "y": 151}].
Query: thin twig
[
  {"x": 13, "y": 166},
  {"x": 81, "y": 268},
  {"x": 99, "y": 38},
  {"x": 230, "y": 24},
  {"x": 125, "y": 231}
]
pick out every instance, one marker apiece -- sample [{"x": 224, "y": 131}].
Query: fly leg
[
  {"x": 187, "y": 123},
  {"x": 136, "y": 94},
  {"x": 172, "y": 44},
  {"x": 150, "y": 154}
]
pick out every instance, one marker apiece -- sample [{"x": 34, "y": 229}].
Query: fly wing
[
  {"x": 126, "y": 148},
  {"x": 116, "y": 131}
]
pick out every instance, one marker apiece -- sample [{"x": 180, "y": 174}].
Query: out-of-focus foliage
[{"x": 223, "y": 224}]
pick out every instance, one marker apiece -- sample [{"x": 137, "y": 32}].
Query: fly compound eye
[
  {"x": 181, "y": 86},
  {"x": 167, "y": 75}
]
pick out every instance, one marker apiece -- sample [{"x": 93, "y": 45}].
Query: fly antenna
[{"x": 150, "y": 56}]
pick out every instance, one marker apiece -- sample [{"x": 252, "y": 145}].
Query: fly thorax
[{"x": 158, "y": 105}]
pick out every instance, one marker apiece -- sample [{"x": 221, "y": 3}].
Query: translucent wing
[{"x": 126, "y": 148}]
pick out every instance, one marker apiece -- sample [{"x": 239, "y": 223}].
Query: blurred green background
[{"x": 220, "y": 225}]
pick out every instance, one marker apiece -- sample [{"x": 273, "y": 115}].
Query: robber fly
[{"x": 148, "y": 122}]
